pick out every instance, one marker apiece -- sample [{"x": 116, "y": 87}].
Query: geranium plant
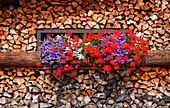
[
  {"x": 61, "y": 53},
  {"x": 112, "y": 50},
  {"x": 109, "y": 50}
]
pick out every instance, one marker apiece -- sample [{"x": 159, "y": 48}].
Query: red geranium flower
[
  {"x": 132, "y": 64},
  {"x": 53, "y": 49},
  {"x": 105, "y": 43},
  {"x": 72, "y": 62},
  {"x": 77, "y": 61},
  {"x": 58, "y": 72},
  {"x": 129, "y": 70},
  {"x": 105, "y": 31},
  {"x": 69, "y": 52},
  {"x": 66, "y": 68},
  {"x": 75, "y": 36},
  {"x": 129, "y": 50},
  {"x": 136, "y": 52},
  {"x": 70, "y": 67},
  {"x": 65, "y": 43},
  {"x": 119, "y": 58},
  {"x": 137, "y": 46},
  {"x": 63, "y": 61},
  {"x": 107, "y": 67},
  {"x": 70, "y": 58},
  {"x": 38, "y": 64},
  {"x": 94, "y": 67},
  {"x": 97, "y": 54},
  {"x": 145, "y": 53},
  {"x": 132, "y": 36},
  {"x": 63, "y": 56},
  {"x": 52, "y": 42},
  {"x": 144, "y": 42},
  {"x": 65, "y": 30},
  {"x": 92, "y": 54},
  {"x": 113, "y": 62},
  {"x": 136, "y": 57},
  {"x": 69, "y": 34},
  {"x": 117, "y": 33},
  {"x": 102, "y": 60},
  {"x": 72, "y": 74},
  {"x": 91, "y": 33},
  {"x": 116, "y": 67},
  {"x": 48, "y": 35},
  {"x": 109, "y": 57},
  {"x": 103, "y": 50},
  {"x": 145, "y": 48},
  {"x": 55, "y": 37},
  {"x": 128, "y": 31},
  {"x": 85, "y": 60},
  {"x": 114, "y": 46},
  {"x": 140, "y": 60},
  {"x": 125, "y": 58},
  {"x": 99, "y": 36},
  {"x": 60, "y": 48},
  {"x": 138, "y": 39}
]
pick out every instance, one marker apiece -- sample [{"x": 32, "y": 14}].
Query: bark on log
[{"x": 18, "y": 58}]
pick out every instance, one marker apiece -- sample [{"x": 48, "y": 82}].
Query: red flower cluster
[
  {"x": 72, "y": 74},
  {"x": 114, "y": 50},
  {"x": 110, "y": 50}
]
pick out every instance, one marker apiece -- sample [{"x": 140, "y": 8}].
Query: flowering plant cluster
[
  {"x": 110, "y": 50},
  {"x": 61, "y": 53}
]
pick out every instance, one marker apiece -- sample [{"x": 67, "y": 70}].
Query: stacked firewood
[
  {"x": 36, "y": 88},
  {"x": 148, "y": 19}
]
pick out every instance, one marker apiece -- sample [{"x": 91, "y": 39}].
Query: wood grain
[
  {"x": 18, "y": 58},
  {"x": 158, "y": 57}
]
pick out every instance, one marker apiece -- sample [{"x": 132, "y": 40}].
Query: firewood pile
[
  {"x": 34, "y": 88},
  {"x": 148, "y": 20}
]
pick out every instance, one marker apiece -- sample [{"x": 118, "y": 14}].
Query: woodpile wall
[
  {"x": 148, "y": 19},
  {"x": 31, "y": 87},
  {"x": 148, "y": 87}
]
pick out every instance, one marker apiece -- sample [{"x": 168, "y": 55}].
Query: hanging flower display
[
  {"x": 109, "y": 50},
  {"x": 112, "y": 50},
  {"x": 61, "y": 53}
]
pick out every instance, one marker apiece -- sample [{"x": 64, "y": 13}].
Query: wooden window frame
[{"x": 83, "y": 31}]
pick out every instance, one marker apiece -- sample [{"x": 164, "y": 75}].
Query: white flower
[
  {"x": 58, "y": 37},
  {"x": 87, "y": 43},
  {"x": 80, "y": 56},
  {"x": 79, "y": 50}
]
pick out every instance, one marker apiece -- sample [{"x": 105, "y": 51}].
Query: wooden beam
[
  {"x": 158, "y": 57},
  {"x": 18, "y": 58}
]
